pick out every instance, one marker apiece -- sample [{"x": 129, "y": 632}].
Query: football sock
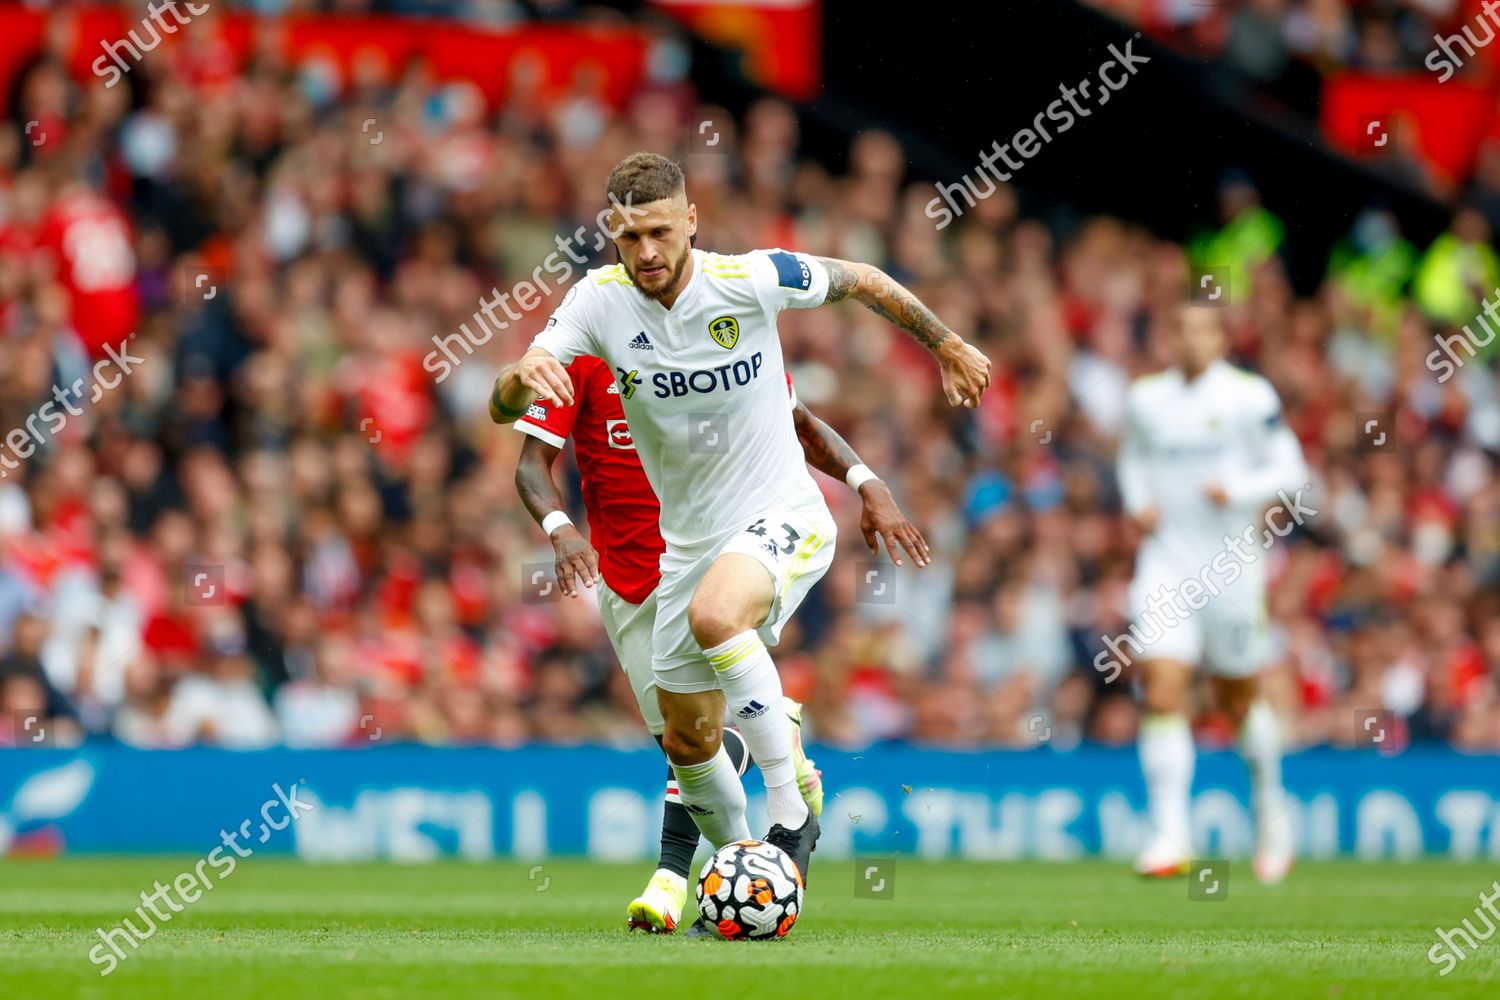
[
  {"x": 712, "y": 794},
  {"x": 734, "y": 746},
  {"x": 679, "y": 834},
  {"x": 752, "y": 688},
  {"x": 1260, "y": 746},
  {"x": 1167, "y": 761},
  {"x": 785, "y": 805}
]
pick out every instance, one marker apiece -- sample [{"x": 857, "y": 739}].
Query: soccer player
[
  {"x": 1204, "y": 455},
  {"x": 623, "y": 514},
  {"x": 747, "y": 533}
]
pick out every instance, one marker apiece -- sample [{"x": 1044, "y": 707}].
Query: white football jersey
[
  {"x": 703, "y": 384},
  {"x": 1224, "y": 428}
]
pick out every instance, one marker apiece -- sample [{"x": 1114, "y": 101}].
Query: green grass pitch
[{"x": 279, "y": 929}]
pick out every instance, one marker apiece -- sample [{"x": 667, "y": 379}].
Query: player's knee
[
  {"x": 714, "y": 621},
  {"x": 686, "y": 745},
  {"x": 1236, "y": 700},
  {"x": 1163, "y": 692}
]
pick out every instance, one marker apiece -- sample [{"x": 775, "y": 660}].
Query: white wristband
[
  {"x": 858, "y": 476},
  {"x": 555, "y": 520}
]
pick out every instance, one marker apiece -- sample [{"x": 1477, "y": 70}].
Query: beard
[{"x": 667, "y": 287}]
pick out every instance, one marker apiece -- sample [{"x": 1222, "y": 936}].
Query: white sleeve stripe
[{"x": 541, "y": 434}]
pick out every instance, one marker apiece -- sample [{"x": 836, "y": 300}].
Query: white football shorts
[
  {"x": 795, "y": 547},
  {"x": 1199, "y": 615},
  {"x": 629, "y": 627}
]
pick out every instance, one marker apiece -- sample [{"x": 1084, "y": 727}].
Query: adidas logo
[
  {"x": 754, "y": 710},
  {"x": 642, "y": 342}
]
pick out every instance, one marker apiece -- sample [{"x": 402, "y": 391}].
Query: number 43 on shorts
[{"x": 788, "y": 532}]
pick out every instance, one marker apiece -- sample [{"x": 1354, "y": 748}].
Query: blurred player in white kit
[{"x": 1205, "y": 453}]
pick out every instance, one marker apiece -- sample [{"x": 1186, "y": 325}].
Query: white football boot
[
  {"x": 1275, "y": 848},
  {"x": 1162, "y": 858}
]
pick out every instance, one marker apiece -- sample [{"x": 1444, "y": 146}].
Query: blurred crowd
[
  {"x": 280, "y": 527},
  {"x": 491, "y": 13},
  {"x": 1264, "y": 38},
  {"x": 1287, "y": 50}
]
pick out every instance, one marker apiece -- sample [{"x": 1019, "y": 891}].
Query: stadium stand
[{"x": 281, "y": 527}]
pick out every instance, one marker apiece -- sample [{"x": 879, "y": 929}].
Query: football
[{"x": 750, "y": 891}]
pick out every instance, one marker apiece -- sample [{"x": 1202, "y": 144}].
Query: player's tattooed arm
[
  {"x": 883, "y": 295},
  {"x": 841, "y": 279},
  {"x": 966, "y": 372},
  {"x": 825, "y": 450},
  {"x": 576, "y": 558},
  {"x": 829, "y": 453}
]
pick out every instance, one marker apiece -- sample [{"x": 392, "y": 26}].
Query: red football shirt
[{"x": 622, "y": 508}]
